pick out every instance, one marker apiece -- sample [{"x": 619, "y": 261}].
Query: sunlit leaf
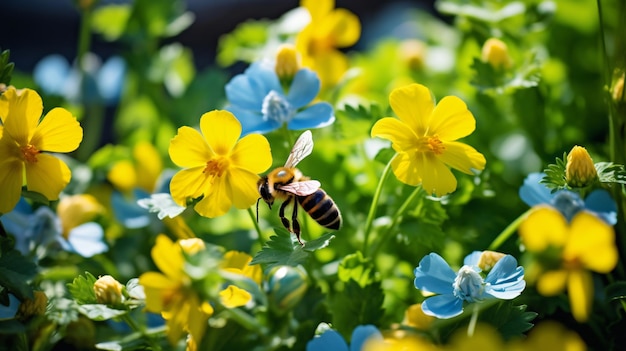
[
  {"x": 283, "y": 249},
  {"x": 82, "y": 290}
]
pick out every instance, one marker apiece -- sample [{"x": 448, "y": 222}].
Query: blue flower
[
  {"x": 599, "y": 201},
  {"x": 8, "y": 312},
  {"x": 504, "y": 281},
  {"x": 331, "y": 340},
  {"x": 261, "y": 104}
]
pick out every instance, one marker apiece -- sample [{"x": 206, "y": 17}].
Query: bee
[{"x": 288, "y": 184}]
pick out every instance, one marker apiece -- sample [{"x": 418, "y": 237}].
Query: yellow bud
[
  {"x": 287, "y": 62},
  {"x": 32, "y": 307},
  {"x": 580, "y": 170},
  {"x": 488, "y": 259},
  {"x": 416, "y": 318},
  {"x": 413, "y": 53},
  {"x": 191, "y": 245},
  {"x": 108, "y": 290},
  {"x": 496, "y": 53},
  {"x": 618, "y": 90}
]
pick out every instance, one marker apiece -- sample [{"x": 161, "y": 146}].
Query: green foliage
[
  {"x": 110, "y": 20},
  {"x": 348, "y": 311},
  {"x": 82, "y": 289},
  {"x": 283, "y": 249},
  {"x": 16, "y": 272},
  {"x": 512, "y": 321},
  {"x": 555, "y": 174},
  {"x": 242, "y": 43},
  {"x": 6, "y": 67}
]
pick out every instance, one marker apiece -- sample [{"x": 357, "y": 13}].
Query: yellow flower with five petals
[
  {"x": 218, "y": 165},
  {"x": 424, "y": 138},
  {"x": 586, "y": 244},
  {"x": 23, "y": 139}
]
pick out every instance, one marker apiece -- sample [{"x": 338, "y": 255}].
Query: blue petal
[
  {"x": 128, "y": 212},
  {"x": 329, "y": 340},
  {"x": 251, "y": 121},
  {"x": 434, "y": 275},
  {"x": 111, "y": 79},
  {"x": 248, "y": 90},
  {"x": 8, "y": 312},
  {"x": 601, "y": 202},
  {"x": 568, "y": 203},
  {"x": 534, "y": 193},
  {"x": 304, "y": 88},
  {"x": 473, "y": 258},
  {"x": 51, "y": 73},
  {"x": 315, "y": 116},
  {"x": 506, "y": 279},
  {"x": 86, "y": 239},
  {"x": 443, "y": 306},
  {"x": 361, "y": 334}
]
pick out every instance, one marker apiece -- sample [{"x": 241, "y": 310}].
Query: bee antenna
[{"x": 257, "y": 210}]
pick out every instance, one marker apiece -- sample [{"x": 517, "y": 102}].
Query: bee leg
[
  {"x": 281, "y": 214},
  {"x": 294, "y": 222}
]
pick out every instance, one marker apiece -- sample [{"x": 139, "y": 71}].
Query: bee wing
[
  {"x": 304, "y": 188},
  {"x": 301, "y": 149}
]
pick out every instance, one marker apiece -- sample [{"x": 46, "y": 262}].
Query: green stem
[
  {"x": 254, "y": 218},
  {"x": 372, "y": 211},
  {"x": 131, "y": 323},
  {"x": 245, "y": 320},
  {"x": 471, "y": 327},
  {"x": 508, "y": 231},
  {"x": 395, "y": 219}
]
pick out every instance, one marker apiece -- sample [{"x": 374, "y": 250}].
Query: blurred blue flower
[
  {"x": 42, "y": 229},
  {"x": 332, "y": 340},
  {"x": 258, "y": 100},
  {"x": 599, "y": 201},
  {"x": 433, "y": 275},
  {"x": 8, "y": 312},
  {"x": 103, "y": 82}
]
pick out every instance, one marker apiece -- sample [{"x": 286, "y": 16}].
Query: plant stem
[
  {"x": 372, "y": 211},
  {"x": 471, "y": 327},
  {"x": 140, "y": 329},
  {"x": 508, "y": 231},
  {"x": 256, "y": 226}
]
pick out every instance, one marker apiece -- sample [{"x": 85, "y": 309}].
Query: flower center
[
  {"x": 435, "y": 145},
  {"x": 468, "y": 285},
  {"x": 216, "y": 167},
  {"x": 29, "y": 153},
  {"x": 277, "y": 108}
]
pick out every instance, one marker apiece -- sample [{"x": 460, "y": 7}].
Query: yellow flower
[
  {"x": 329, "y": 30},
  {"x": 76, "y": 210},
  {"x": 580, "y": 170},
  {"x": 424, "y": 138},
  {"x": 218, "y": 167},
  {"x": 549, "y": 335},
  {"x": 416, "y": 318},
  {"x": 586, "y": 244},
  {"x": 171, "y": 294},
  {"x": 484, "y": 338},
  {"x": 398, "y": 340},
  {"x": 142, "y": 172},
  {"x": 239, "y": 263},
  {"x": 23, "y": 140}
]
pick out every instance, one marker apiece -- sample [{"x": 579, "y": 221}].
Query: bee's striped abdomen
[{"x": 322, "y": 209}]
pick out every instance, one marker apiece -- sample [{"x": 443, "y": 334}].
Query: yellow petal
[
  {"x": 197, "y": 319},
  {"x": 59, "y": 131},
  {"x": 330, "y": 66},
  {"x": 592, "y": 242},
  {"x": 413, "y": 104},
  {"x": 462, "y": 157},
  {"x": 156, "y": 286},
  {"x": 233, "y": 296},
  {"x": 149, "y": 165},
  {"x": 243, "y": 185},
  {"x": 221, "y": 130},
  {"x": 188, "y": 184},
  {"x": 552, "y": 283},
  {"x": 239, "y": 262},
  {"x": 21, "y": 112},
  {"x": 436, "y": 176},
  {"x": 580, "y": 291},
  {"x": 318, "y": 8},
  {"x": 189, "y": 149},
  {"x": 11, "y": 179},
  {"x": 406, "y": 169},
  {"x": 167, "y": 256},
  {"x": 122, "y": 175},
  {"x": 544, "y": 226},
  {"x": 252, "y": 153},
  {"x": 399, "y": 133},
  {"x": 344, "y": 27},
  {"x": 47, "y": 176},
  {"x": 217, "y": 199},
  {"x": 451, "y": 119}
]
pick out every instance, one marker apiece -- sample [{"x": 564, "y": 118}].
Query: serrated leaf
[
  {"x": 98, "y": 312},
  {"x": 349, "y": 311},
  {"x": 357, "y": 268},
  {"x": 555, "y": 174},
  {"x": 282, "y": 249},
  {"x": 15, "y": 273},
  {"x": 82, "y": 289},
  {"x": 609, "y": 172},
  {"x": 512, "y": 321}
]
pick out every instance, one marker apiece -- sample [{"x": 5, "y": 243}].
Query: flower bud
[
  {"x": 413, "y": 53},
  {"x": 580, "y": 170},
  {"x": 33, "y": 307},
  {"x": 108, "y": 290},
  {"x": 287, "y": 62},
  {"x": 617, "y": 92},
  {"x": 286, "y": 286},
  {"x": 192, "y": 245},
  {"x": 496, "y": 53},
  {"x": 488, "y": 259}
]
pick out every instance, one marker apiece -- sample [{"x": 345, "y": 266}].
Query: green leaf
[
  {"x": 16, "y": 271},
  {"x": 616, "y": 291},
  {"x": 82, "y": 289},
  {"x": 6, "y": 67},
  {"x": 283, "y": 249},
  {"x": 489, "y": 80},
  {"x": 512, "y": 321},
  {"x": 357, "y": 268},
  {"x": 609, "y": 172},
  {"x": 357, "y": 305},
  {"x": 555, "y": 174},
  {"x": 243, "y": 43},
  {"x": 98, "y": 312},
  {"x": 110, "y": 20}
]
